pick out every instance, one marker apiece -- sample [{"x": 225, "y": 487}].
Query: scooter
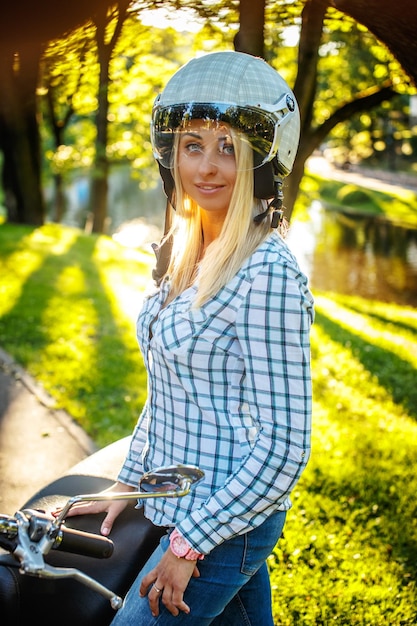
[{"x": 64, "y": 570}]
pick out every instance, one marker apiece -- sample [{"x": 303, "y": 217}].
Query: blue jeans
[{"x": 233, "y": 588}]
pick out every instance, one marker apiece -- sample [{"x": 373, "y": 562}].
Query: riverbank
[
  {"x": 354, "y": 194},
  {"x": 380, "y": 180}
]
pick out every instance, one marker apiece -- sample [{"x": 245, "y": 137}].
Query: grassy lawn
[
  {"x": 68, "y": 304},
  {"x": 349, "y": 555}
]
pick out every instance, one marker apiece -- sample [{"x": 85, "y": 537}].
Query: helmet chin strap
[
  {"x": 163, "y": 250},
  {"x": 275, "y": 205}
]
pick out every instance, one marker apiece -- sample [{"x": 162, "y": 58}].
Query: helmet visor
[{"x": 255, "y": 126}]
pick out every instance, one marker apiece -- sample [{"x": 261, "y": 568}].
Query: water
[
  {"x": 135, "y": 215},
  {"x": 363, "y": 256}
]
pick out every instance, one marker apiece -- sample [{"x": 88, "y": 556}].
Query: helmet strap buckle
[{"x": 274, "y": 206}]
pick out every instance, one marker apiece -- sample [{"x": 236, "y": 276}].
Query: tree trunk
[
  {"x": 250, "y": 38},
  {"x": 99, "y": 181},
  {"x": 100, "y": 172},
  {"x": 19, "y": 136},
  {"x": 59, "y": 198},
  {"x": 305, "y": 86}
]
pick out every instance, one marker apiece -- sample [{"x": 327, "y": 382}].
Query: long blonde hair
[{"x": 239, "y": 236}]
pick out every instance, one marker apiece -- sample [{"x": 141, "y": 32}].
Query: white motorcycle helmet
[{"x": 242, "y": 91}]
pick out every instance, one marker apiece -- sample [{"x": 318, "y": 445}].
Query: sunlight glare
[{"x": 182, "y": 20}]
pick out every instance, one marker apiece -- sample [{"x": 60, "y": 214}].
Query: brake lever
[
  {"x": 49, "y": 571},
  {"x": 30, "y": 555}
]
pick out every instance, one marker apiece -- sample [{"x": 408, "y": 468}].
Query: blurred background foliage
[{"x": 97, "y": 82}]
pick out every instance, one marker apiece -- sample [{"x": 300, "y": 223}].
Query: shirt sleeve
[{"x": 273, "y": 329}]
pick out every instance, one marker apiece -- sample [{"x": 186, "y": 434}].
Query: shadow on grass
[
  {"x": 397, "y": 376},
  {"x": 384, "y": 319},
  {"x": 13, "y": 238},
  {"x": 101, "y": 384},
  {"x": 371, "y": 479}
]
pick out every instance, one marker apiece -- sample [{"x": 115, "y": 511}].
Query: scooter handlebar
[
  {"x": 66, "y": 539},
  {"x": 84, "y": 543}
]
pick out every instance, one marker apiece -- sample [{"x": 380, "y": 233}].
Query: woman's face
[{"x": 207, "y": 165}]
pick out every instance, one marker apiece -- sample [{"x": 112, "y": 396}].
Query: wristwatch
[{"x": 181, "y": 549}]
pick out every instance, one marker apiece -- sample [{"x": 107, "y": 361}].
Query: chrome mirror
[{"x": 163, "y": 482}]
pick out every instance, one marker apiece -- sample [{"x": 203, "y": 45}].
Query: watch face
[{"x": 180, "y": 546}]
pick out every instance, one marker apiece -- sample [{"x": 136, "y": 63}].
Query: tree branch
[{"x": 364, "y": 101}]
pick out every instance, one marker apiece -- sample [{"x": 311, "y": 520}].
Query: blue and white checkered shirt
[{"x": 229, "y": 390}]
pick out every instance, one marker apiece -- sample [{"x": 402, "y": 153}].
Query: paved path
[{"x": 37, "y": 443}]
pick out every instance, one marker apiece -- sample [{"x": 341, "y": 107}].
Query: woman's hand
[
  {"x": 112, "y": 507},
  {"x": 167, "y": 582}
]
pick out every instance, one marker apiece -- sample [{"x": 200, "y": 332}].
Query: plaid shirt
[{"x": 229, "y": 390}]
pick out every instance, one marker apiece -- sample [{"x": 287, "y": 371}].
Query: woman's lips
[{"x": 204, "y": 188}]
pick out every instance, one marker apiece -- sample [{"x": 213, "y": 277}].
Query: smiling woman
[
  {"x": 225, "y": 341},
  {"x": 206, "y": 167}
]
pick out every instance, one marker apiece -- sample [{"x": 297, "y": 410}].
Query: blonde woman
[{"x": 225, "y": 339}]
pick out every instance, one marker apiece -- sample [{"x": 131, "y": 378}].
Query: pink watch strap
[{"x": 190, "y": 555}]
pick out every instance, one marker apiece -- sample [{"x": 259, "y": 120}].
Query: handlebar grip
[{"x": 82, "y": 542}]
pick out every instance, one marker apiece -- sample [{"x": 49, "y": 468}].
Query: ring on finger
[{"x": 156, "y": 588}]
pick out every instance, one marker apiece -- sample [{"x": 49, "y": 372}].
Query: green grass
[
  {"x": 349, "y": 555},
  {"x": 68, "y": 304}
]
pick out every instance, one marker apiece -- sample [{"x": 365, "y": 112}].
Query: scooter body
[{"x": 27, "y": 599}]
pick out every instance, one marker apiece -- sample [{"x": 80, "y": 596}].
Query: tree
[
  {"x": 141, "y": 63},
  {"x": 19, "y": 137},
  {"x": 104, "y": 21},
  {"x": 22, "y": 42},
  {"x": 393, "y": 23},
  {"x": 305, "y": 89},
  {"x": 312, "y": 15},
  {"x": 63, "y": 70}
]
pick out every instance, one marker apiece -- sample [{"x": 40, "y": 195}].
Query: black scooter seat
[{"x": 25, "y": 600}]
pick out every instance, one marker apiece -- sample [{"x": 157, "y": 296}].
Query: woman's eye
[
  {"x": 227, "y": 149},
  {"x": 193, "y": 147}
]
